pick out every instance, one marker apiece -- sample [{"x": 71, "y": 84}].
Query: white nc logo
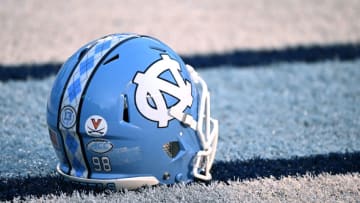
[{"x": 151, "y": 87}]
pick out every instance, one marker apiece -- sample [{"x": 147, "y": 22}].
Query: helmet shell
[{"x": 96, "y": 118}]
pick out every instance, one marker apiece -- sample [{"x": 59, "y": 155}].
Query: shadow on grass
[
  {"x": 238, "y": 58},
  {"x": 333, "y": 163}
]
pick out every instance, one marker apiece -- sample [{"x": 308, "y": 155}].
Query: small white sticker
[
  {"x": 68, "y": 117},
  {"x": 96, "y": 126}
]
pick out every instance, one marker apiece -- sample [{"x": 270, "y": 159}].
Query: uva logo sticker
[
  {"x": 96, "y": 126},
  {"x": 151, "y": 88}
]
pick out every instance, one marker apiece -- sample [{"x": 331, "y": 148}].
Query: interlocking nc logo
[{"x": 151, "y": 86}]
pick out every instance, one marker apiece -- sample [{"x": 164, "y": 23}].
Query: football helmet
[{"x": 125, "y": 112}]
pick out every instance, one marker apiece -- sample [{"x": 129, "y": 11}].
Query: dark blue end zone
[{"x": 239, "y": 58}]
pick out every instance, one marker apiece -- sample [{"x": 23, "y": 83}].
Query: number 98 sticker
[{"x": 96, "y": 126}]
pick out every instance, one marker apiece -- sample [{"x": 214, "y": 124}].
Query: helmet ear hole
[{"x": 171, "y": 148}]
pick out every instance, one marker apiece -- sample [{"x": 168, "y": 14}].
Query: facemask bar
[{"x": 206, "y": 127}]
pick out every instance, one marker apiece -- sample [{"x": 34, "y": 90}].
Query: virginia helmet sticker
[
  {"x": 96, "y": 126},
  {"x": 149, "y": 97}
]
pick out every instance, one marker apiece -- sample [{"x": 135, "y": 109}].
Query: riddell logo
[{"x": 96, "y": 126}]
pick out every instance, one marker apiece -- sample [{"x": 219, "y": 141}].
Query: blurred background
[{"x": 36, "y": 31}]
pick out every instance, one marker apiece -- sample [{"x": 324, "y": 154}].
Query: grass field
[{"x": 289, "y": 131}]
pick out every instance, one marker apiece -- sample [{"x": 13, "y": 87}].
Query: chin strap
[{"x": 206, "y": 127}]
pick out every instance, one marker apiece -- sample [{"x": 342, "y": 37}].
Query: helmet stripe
[{"x": 71, "y": 100}]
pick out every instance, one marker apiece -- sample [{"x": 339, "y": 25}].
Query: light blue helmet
[{"x": 125, "y": 111}]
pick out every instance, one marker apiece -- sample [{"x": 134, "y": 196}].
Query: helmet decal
[
  {"x": 150, "y": 86},
  {"x": 99, "y": 146},
  {"x": 67, "y": 117},
  {"x": 96, "y": 126}
]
